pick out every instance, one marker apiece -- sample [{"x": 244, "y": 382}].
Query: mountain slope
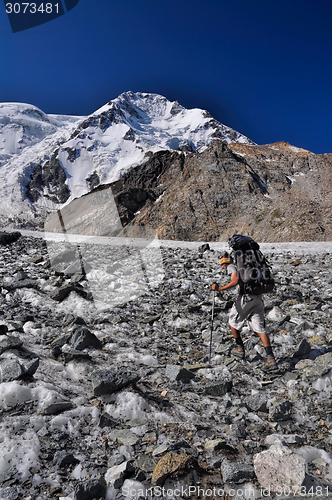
[
  {"x": 84, "y": 152},
  {"x": 273, "y": 193}
]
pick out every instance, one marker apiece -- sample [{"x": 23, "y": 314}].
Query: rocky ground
[{"x": 118, "y": 399}]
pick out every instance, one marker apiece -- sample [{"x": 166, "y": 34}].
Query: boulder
[
  {"x": 178, "y": 374},
  {"x": 169, "y": 464},
  {"x": 280, "y": 410},
  {"x": 279, "y": 467},
  {"x": 321, "y": 365},
  {"x": 91, "y": 489},
  {"x": 235, "y": 472},
  {"x": 8, "y": 238},
  {"x": 109, "y": 381},
  {"x": 82, "y": 338}
]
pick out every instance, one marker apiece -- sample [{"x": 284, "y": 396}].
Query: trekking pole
[{"x": 212, "y": 315}]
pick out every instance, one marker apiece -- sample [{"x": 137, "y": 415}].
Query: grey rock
[
  {"x": 116, "y": 475},
  {"x": 279, "y": 467},
  {"x": 116, "y": 459},
  {"x": 8, "y": 238},
  {"x": 82, "y": 338},
  {"x": 302, "y": 348},
  {"x": 161, "y": 449},
  {"x": 257, "y": 402},
  {"x": 62, "y": 458},
  {"x": 145, "y": 463},
  {"x": 178, "y": 374},
  {"x": 10, "y": 369},
  {"x": 280, "y": 410},
  {"x": 218, "y": 445},
  {"x": 284, "y": 439},
  {"x": 60, "y": 341},
  {"x": 30, "y": 366},
  {"x": 3, "y": 329},
  {"x": 8, "y": 474},
  {"x": 91, "y": 490},
  {"x": 74, "y": 354},
  {"x": 235, "y": 472},
  {"x": 216, "y": 388},
  {"x": 26, "y": 283},
  {"x": 60, "y": 407},
  {"x": 322, "y": 365},
  {"x": 10, "y": 343},
  {"x": 9, "y": 493},
  {"x": 107, "y": 421},
  {"x": 124, "y": 436},
  {"x": 109, "y": 381}
]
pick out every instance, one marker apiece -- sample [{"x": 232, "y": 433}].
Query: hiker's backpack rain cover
[{"x": 254, "y": 272}]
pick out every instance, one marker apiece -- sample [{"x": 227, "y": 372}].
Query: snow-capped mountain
[{"x": 38, "y": 152}]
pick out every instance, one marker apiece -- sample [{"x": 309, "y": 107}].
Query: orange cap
[{"x": 225, "y": 260}]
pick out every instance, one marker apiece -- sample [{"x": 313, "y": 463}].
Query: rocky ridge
[
  {"x": 273, "y": 193},
  {"x": 105, "y": 401}
]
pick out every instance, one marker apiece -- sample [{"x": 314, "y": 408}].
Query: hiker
[{"x": 247, "y": 307}]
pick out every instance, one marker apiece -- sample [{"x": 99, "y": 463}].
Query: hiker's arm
[{"x": 231, "y": 284}]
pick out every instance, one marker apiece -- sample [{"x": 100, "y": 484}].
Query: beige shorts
[{"x": 248, "y": 308}]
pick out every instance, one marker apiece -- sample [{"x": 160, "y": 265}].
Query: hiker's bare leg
[
  {"x": 264, "y": 338},
  {"x": 236, "y": 333}
]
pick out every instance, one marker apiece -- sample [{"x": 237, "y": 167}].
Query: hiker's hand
[{"x": 215, "y": 287}]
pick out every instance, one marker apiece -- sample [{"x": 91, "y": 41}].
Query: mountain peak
[{"x": 93, "y": 150}]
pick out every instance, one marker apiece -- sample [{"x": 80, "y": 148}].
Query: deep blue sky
[{"x": 263, "y": 68}]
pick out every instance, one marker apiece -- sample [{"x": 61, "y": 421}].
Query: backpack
[{"x": 254, "y": 272}]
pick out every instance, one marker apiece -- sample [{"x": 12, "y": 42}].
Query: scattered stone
[
  {"x": 235, "y": 472},
  {"x": 146, "y": 463},
  {"x": 116, "y": 475},
  {"x": 60, "y": 407},
  {"x": 257, "y": 402},
  {"x": 304, "y": 364},
  {"x": 109, "y": 381},
  {"x": 321, "y": 365},
  {"x": 62, "y": 458},
  {"x": 280, "y": 410},
  {"x": 3, "y": 329},
  {"x": 284, "y": 439},
  {"x": 279, "y": 467},
  {"x": 218, "y": 445},
  {"x": 169, "y": 464},
  {"x": 204, "y": 248},
  {"x": 302, "y": 348},
  {"x": 216, "y": 388},
  {"x": 10, "y": 369},
  {"x": 107, "y": 421},
  {"x": 92, "y": 489},
  {"x": 178, "y": 374},
  {"x": 124, "y": 436},
  {"x": 8, "y": 238},
  {"x": 37, "y": 260},
  {"x": 83, "y": 338},
  {"x": 10, "y": 343}
]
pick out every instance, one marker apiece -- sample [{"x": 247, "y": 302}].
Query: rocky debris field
[{"x": 117, "y": 399}]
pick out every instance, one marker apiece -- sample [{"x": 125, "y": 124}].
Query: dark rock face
[
  {"x": 82, "y": 338},
  {"x": 8, "y": 238},
  {"x": 53, "y": 177},
  {"x": 109, "y": 381},
  {"x": 92, "y": 489}
]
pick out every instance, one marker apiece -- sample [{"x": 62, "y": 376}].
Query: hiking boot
[
  {"x": 271, "y": 363},
  {"x": 238, "y": 351}
]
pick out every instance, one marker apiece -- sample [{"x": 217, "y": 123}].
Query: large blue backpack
[{"x": 254, "y": 272}]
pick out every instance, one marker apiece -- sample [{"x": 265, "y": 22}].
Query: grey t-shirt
[{"x": 231, "y": 268}]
